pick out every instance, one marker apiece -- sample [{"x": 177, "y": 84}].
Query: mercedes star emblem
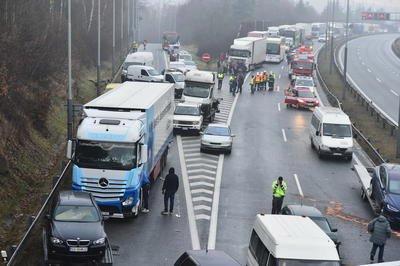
[{"x": 103, "y": 182}]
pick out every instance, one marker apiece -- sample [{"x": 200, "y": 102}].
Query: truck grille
[
  {"x": 338, "y": 150},
  {"x": 113, "y": 191},
  {"x": 76, "y": 243},
  {"x": 185, "y": 122}
]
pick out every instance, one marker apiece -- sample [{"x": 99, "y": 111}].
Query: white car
[
  {"x": 217, "y": 137},
  {"x": 190, "y": 65},
  {"x": 305, "y": 82},
  {"x": 179, "y": 65},
  {"x": 322, "y": 38},
  {"x": 188, "y": 118}
]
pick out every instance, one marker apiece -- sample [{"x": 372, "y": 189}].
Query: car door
[
  {"x": 380, "y": 185},
  {"x": 290, "y": 96}
]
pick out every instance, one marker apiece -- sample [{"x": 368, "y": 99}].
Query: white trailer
[
  {"x": 247, "y": 53},
  {"x": 123, "y": 140}
]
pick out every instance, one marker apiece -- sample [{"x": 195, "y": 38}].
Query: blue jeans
[
  {"x": 380, "y": 254},
  {"x": 170, "y": 196}
]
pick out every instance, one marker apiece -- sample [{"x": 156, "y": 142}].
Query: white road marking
[
  {"x": 191, "y": 177},
  {"x": 284, "y": 135},
  {"x": 202, "y": 165},
  {"x": 369, "y": 70},
  {"x": 395, "y": 93},
  {"x": 201, "y": 199},
  {"x": 298, "y": 185},
  {"x": 202, "y": 207},
  {"x": 282, "y": 67},
  {"x": 189, "y": 204},
  {"x": 277, "y": 88},
  {"x": 279, "y": 107},
  {"x": 201, "y": 171},
  {"x": 201, "y": 190},
  {"x": 201, "y": 183},
  {"x": 202, "y": 217},
  {"x": 380, "y": 81},
  {"x": 279, "y": 77}
]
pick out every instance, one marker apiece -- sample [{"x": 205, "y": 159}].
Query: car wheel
[
  {"x": 229, "y": 151},
  {"x": 287, "y": 105},
  {"x": 320, "y": 155},
  {"x": 312, "y": 144},
  {"x": 349, "y": 158}
]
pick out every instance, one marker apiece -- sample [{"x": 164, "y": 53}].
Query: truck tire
[{"x": 320, "y": 155}]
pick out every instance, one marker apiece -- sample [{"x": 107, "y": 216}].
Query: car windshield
[
  {"x": 171, "y": 38},
  {"x": 194, "y": 91},
  {"x": 304, "y": 83},
  {"x": 179, "y": 77},
  {"x": 187, "y": 110},
  {"x": 305, "y": 94},
  {"x": 239, "y": 53},
  {"x": 284, "y": 262},
  {"x": 105, "y": 155},
  {"x": 394, "y": 186},
  {"x": 322, "y": 223},
  {"x": 153, "y": 72},
  {"x": 337, "y": 130},
  {"x": 302, "y": 65},
  {"x": 67, "y": 213},
  {"x": 273, "y": 48},
  {"x": 219, "y": 131}
]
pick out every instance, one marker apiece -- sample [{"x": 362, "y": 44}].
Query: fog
[{"x": 386, "y": 5}]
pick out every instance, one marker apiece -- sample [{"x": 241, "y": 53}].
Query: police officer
[
  {"x": 279, "y": 188},
  {"x": 271, "y": 80},
  {"x": 220, "y": 77}
]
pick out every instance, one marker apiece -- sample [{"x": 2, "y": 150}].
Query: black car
[
  {"x": 205, "y": 258},
  {"x": 316, "y": 216},
  {"x": 75, "y": 228},
  {"x": 385, "y": 184}
]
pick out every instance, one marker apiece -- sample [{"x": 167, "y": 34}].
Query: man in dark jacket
[
  {"x": 170, "y": 186},
  {"x": 380, "y": 231},
  {"x": 240, "y": 81}
]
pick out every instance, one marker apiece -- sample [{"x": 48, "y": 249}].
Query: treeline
[{"x": 213, "y": 24}]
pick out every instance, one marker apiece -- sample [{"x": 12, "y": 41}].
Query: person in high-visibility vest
[
  {"x": 252, "y": 81},
  {"x": 279, "y": 188},
  {"x": 258, "y": 80},
  {"x": 264, "y": 79},
  {"x": 220, "y": 77}
]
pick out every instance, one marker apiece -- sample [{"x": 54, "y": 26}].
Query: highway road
[
  {"x": 271, "y": 140},
  {"x": 375, "y": 69}
]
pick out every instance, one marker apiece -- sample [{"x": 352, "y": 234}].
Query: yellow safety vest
[
  {"x": 258, "y": 78},
  {"x": 277, "y": 190},
  {"x": 252, "y": 81},
  {"x": 220, "y": 75}
]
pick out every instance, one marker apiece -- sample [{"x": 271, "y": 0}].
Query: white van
[
  {"x": 283, "y": 240},
  {"x": 144, "y": 73},
  {"x": 138, "y": 58},
  {"x": 331, "y": 133}
]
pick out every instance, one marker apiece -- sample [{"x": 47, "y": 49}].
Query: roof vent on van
[{"x": 110, "y": 122}]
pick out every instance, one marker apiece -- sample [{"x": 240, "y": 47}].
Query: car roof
[
  {"x": 189, "y": 104},
  {"x": 304, "y": 77},
  {"x": 218, "y": 125},
  {"x": 302, "y": 88},
  {"x": 304, "y": 210},
  {"x": 212, "y": 258},
  {"x": 72, "y": 197},
  {"x": 393, "y": 170}
]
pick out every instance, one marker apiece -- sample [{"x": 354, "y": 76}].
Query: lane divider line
[
  {"x": 395, "y": 93},
  {"x": 296, "y": 178},
  {"x": 194, "y": 234},
  {"x": 284, "y": 135},
  {"x": 279, "y": 107}
]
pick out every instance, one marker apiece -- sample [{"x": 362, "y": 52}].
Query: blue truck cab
[{"x": 121, "y": 143}]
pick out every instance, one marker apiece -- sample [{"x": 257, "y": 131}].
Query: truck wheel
[
  {"x": 320, "y": 155},
  {"x": 312, "y": 144}
]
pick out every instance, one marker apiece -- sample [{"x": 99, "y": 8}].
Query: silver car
[{"x": 217, "y": 137}]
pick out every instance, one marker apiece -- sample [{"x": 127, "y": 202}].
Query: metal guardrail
[
  {"x": 30, "y": 244},
  {"x": 334, "y": 101}
]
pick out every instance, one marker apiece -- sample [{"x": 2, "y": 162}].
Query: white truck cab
[
  {"x": 188, "y": 117},
  {"x": 331, "y": 132},
  {"x": 178, "y": 79},
  {"x": 138, "y": 58},
  {"x": 144, "y": 73}
]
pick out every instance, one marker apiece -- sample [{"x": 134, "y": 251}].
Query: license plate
[
  {"x": 337, "y": 154},
  {"x": 185, "y": 128},
  {"x": 310, "y": 104},
  {"x": 78, "y": 249},
  {"x": 105, "y": 213}
]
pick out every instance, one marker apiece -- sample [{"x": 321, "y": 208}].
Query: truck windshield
[
  {"x": 105, "y": 155},
  {"x": 283, "y": 262},
  {"x": 302, "y": 65},
  {"x": 273, "y": 48},
  {"x": 187, "y": 110},
  {"x": 196, "y": 92},
  {"x": 239, "y": 53},
  {"x": 171, "y": 38},
  {"x": 337, "y": 130}
]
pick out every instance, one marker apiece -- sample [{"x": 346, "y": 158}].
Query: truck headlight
[
  {"x": 99, "y": 241},
  {"x": 391, "y": 208},
  {"x": 55, "y": 240},
  {"x": 128, "y": 201},
  {"x": 196, "y": 122}
]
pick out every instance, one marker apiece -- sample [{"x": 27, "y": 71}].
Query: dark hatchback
[{"x": 75, "y": 228}]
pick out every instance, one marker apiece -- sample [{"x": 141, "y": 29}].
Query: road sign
[
  {"x": 206, "y": 57},
  {"x": 379, "y": 16}
]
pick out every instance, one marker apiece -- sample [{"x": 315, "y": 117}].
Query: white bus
[
  {"x": 285, "y": 240},
  {"x": 275, "y": 49}
]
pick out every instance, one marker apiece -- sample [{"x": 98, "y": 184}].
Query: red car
[{"x": 300, "y": 97}]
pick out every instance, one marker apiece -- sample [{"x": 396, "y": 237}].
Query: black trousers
[
  {"x": 145, "y": 191},
  {"x": 170, "y": 196},
  {"x": 276, "y": 204}
]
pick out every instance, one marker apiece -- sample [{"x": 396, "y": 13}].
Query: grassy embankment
[{"x": 192, "y": 49}]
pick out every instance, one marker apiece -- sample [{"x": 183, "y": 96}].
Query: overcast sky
[{"x": 387, "y": 5}]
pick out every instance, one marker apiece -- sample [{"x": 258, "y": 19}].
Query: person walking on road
[
  {"x": 145, "y": 192},
  {"x": 252, "y": 84},
  {"x": 240, "y": 81},
  {"x": 233, "y": 85},
  {"x": 170, "y": 187},
  {"x": 279, "y": 188},
  {"x": 380, "y": 232},
  {"x": 220, "y": 77}
]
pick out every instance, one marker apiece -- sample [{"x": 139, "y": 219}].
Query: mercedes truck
[
  {"x": 247, "y": 53},
  {"x": 121, "y": 141}
]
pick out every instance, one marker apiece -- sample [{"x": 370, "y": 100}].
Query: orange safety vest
[
  {"x": 258, "y": 78},
  {"x": 265, "y": 77}
]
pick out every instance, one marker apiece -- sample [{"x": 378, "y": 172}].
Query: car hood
[
  {"x": 394, "y": 200},
  {"x": 187, "y": 117},
  {"x": 337, "y": 142},
  {"x": 73, "y": 230},
  {"x": 308, "y": 99},
  {"x": 215, "y": 138},
  {"x": 180, "y": 85}
]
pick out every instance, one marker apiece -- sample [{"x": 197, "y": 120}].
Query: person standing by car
[
  {"x": 240, "y": 81},
  {"x": 279, "y": 188},
  {"x": 170, "y": 187},
  {"x": 145, "y": 190},
  {"x": 379, "y": 228}
]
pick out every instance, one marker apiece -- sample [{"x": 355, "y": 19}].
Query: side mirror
[
  {"x": 233, "y": 135},
  {"x": 317, "y": 133},
  {"x": 201, "y": 133},
  {"x": 69, "y": 149},
  {"x": 334, "y": 230},
  {"x": 143, "y": 154},
  {"x": 48, "y": 217}
]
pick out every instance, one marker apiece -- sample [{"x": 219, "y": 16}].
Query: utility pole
[
  {"x": 135, "y": 19},
  {"x": 69, "y": 99},
  {"x": 98, "y": 49},
  {"x": 128, "y": 26},
  {"x": 113, "y": 41},
  {"x": 122, "y": 28},
  {"x": 345, "y": 52},
  {"x": 327, "y": 26},
  {"x": 331, "y": 35}
]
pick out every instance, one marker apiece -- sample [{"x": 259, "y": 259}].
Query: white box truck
[
  {"x": 123, "y": 139},
  {"x": 247, "y": 53},
  {"x": 134, "y": 59}
]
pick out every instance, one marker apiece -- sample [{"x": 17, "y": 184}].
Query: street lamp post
[
  {"x": 98, "y": 49},
  {"x": 69, "y": 98},
  {"x": 345, "y": 52},
  {"x": 331, "y": 35},
  {"x": 113, "y": 41}
]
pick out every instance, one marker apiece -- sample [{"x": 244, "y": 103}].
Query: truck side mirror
[
  {"x": 143, "y": 154},
  {"x": 355, "y": 136},
  {"x": 69, "y": 149},
  {"x": 317, "y": 133}
]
